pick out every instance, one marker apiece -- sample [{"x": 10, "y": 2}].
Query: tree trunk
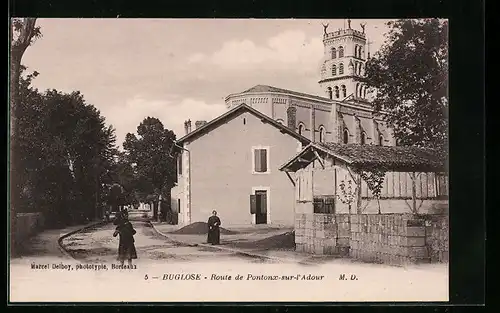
[
  {"x": 15, "y": 66},
  {"x": 413, "y": 192},
  {"x": 166, "y": 207},
  {"x": 155, "y": 210},
  {"x": 359, "y": 197},
  {"x": 17, "y": 49}
]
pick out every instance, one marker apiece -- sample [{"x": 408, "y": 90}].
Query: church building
[
  {"x": 232, "y": 163},
  {"x": 342, "y": 113}
]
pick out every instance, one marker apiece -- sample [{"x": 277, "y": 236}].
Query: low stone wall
[
  {"x": 437, "y": 237},
  {"x": 322, "y": 233},
  {"x": 388, "y": 238},
  {"x": 28, "y": 224},
  {"x": 384, "y": 238}
]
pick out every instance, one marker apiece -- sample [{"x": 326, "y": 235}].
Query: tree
[
  {"x": 374, "y": 178},
  {"x": 116, "y": 197},
  {"x": 88, "y": 145},
  {"x": 409, "y": 75},
  {"x": 122, "y": 174},
  {"x": 23, "y": 33},
  {"x": 65, "y": 150},
  {"x": 148, "y": 151}
]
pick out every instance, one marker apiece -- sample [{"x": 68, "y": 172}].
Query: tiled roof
[
  {"x": 265, "y": 88},
  {"x": 389, "y": 158}
]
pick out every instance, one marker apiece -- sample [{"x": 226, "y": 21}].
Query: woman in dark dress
[
  {"x": 213, "y": 229},
  {"x": 126, "y": 247}
]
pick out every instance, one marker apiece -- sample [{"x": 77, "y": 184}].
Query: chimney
[
  {"x": 199, "y": 124},
  {"x": 187, "y": 126},
  {"x": 291, "y": 114}
]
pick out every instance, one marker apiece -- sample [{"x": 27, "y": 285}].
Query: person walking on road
[
  {"x": 126, "y": 246},
  {"x": 213, "y": 229}
]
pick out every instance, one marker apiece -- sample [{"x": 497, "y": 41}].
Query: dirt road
[{"x": 99, "y": 245}]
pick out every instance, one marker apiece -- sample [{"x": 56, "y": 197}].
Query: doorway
[{"x": 261, "y": 207}]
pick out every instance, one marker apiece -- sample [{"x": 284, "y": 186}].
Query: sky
[{"x": 179, "y": 69}]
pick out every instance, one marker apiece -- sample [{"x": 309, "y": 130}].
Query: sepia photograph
[{"x": 228, "y": 160}]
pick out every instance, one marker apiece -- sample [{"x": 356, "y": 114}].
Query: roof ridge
[
  {"x": 227, "y": 114},
  {"x": 278, "y": 89}
]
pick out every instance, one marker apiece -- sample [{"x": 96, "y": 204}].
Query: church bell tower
[{"x": 344, "y": 60}]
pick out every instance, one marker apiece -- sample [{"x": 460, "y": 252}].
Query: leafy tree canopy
[
  {"x": 410, "y": 77},
  {"x": 148, "y": 152},
  {"x": 64, "y": 150}
]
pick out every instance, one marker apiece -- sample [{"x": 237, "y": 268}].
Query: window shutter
[
  {"x": 253, "y": 204},
  {"x": 257, "y": 160},
  {"x": 263, "y": 161},
  {"x": 263, "y": 203}
]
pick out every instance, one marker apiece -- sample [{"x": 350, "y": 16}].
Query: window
[
  {"x": 334, "y": 70},
  {"x": 324, "y": 204},
  {"x": 357, "y": 89},
  {"x": 260, "y": 160},
  {"x": 363, "y": 138},
  {"x": 334, "y": 53},
  {"x": 344, "y": 91},
  {"x": 381, "y": 140},
  {"x": 341, "y": 52},
  {"x": 321, "y": 134},
  {"x": 341, "y": 68},
  {"x": 364, "y": 92},
  {"x": 356, "y": 51},
  {"x": 179, "y": 164},
  {"x": 346, "y": 136},
  {"x": 301, "y": 129},
  {"x": 330, "y": 93},
  {"x": 337, "y": 93}
]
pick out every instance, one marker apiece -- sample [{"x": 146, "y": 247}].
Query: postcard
[{"x": 228, "y": 160}]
